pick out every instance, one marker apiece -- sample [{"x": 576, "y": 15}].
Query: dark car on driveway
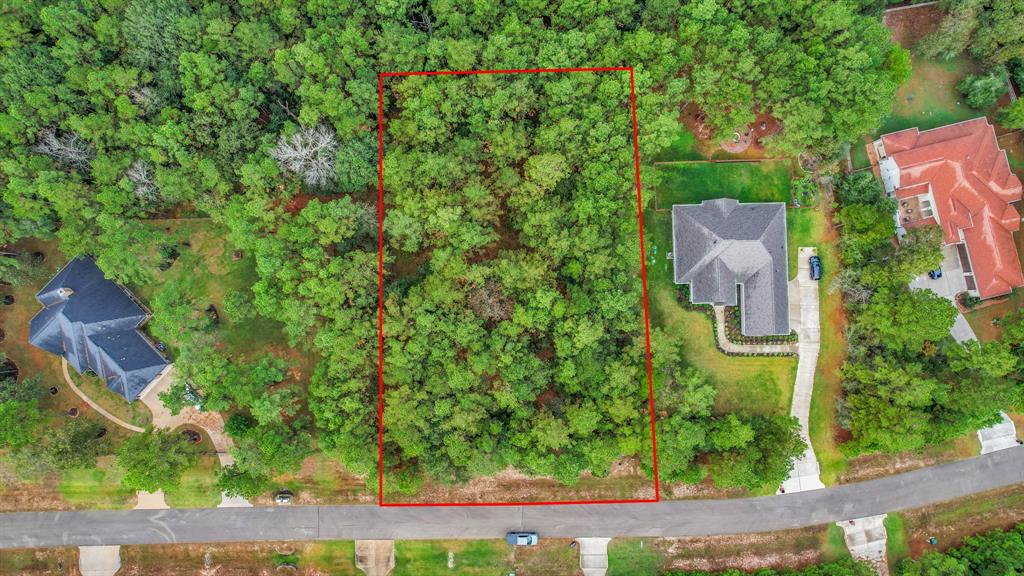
[{"x": 815, "y": 263}]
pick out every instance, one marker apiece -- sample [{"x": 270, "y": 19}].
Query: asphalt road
[{"x": 669, "y": 518}]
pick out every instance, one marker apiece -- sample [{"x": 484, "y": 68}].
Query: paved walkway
[
  {"x": 999, "y": 436},
  {"x": 102, "y": 411},
  {"x": 866, "y": 539},
  {"x": 725, "y": 344},
  {"x": 151, "y": 500},
  {"x": 594, "y": 556},
  {"x": 806, "y": 472},
  {"x": 948, "y": 286},
  {"x": 662, "y": 519},
  {"x": 211, "y": 422},
  {"x": 375, "y": 557},
  {"x": 99, "y": 560}
]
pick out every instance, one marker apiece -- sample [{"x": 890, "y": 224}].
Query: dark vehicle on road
[
  {"x": 815, "y": 263},
  {"x": 522, "y": 538}
]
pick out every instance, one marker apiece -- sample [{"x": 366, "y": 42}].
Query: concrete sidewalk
[
  {"x": 99, "y": 560},
  {"x": 594, "y": 556}
]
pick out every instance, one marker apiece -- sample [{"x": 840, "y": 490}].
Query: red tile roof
[{"x": 973, "y": 190}]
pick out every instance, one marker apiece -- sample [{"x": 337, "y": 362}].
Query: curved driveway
[{"x": 669, "y": 518}]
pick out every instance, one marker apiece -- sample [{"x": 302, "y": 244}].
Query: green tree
[
  {"x": 906, "y": 320},
  {"x": 76, "y": 444},
  {"x": 155, "y": 460},
  {"x": 1012, "y": 116},
  {"x": 982, "y": 90},
  {"x": 236, "y": 482}
]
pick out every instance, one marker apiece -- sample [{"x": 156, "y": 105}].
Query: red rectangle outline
[{"x": 380, "y": 274}]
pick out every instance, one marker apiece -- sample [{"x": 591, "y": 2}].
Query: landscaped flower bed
[
  {"x": 683, "y": 297},
  {"x": 732, "y": 331}
]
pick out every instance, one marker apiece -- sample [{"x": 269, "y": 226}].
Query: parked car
[
  {"x": 522, "y": 538},
  {"x": 935, "y": 274},
  {"x": 283, "y": 497},
  {"x": 815, "y": 263}
]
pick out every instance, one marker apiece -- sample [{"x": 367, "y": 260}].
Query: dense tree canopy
[
  {"x": 908, "y": 383},
  {"x": 511, "y": 233}
]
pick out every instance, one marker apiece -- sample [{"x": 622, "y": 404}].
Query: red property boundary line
[{"x": 380, "y": 295}]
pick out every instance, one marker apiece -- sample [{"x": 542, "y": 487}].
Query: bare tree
[
  {"x": 490, "y": 302},
  {"x": 309, "y": 153},
  {"x": 146, "y": 97},
  {"x": 141, "y": 175},
  {"x": 67, "y": 148}
]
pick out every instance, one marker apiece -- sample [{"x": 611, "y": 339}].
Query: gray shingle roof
[
  {"x": 721, "y": 243},
  {"x": 94, "y": 324}
]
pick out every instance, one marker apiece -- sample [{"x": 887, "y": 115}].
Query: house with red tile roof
[{"x": 956, "y": 177}]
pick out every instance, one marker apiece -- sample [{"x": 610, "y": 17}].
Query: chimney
[{"x": 64, "y": 292}]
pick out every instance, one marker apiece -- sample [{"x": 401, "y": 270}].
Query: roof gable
[
  {"x": 973, "y": 187},
  {"x": 721, "y": 243},
  {"x": 93, "y": 323}
]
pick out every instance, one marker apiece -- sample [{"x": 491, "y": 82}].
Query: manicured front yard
[
  {"x": 135, "y": 413},
  {"x": 752, "y": 385}
]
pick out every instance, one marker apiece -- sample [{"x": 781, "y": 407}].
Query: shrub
[{"x": 982, "y": 91}]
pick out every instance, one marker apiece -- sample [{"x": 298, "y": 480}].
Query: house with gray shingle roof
[
  {"x": 719, "y": 245},
  {"x": 94, "y": 324}
]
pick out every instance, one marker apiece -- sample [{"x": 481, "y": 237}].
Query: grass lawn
[
  {"x": 896, "y": 543},
  {"x": 206, "y": 270},
  {"x": 132, "y": 412},
  {"x": 1014, "y": 146},
  {"x": 684, "y": 147},
  {"x": 96, "y": 488},
  {"x": 751, "y": 384},
  {"x": 335, "y": 556},
  {"x": 766, "y": 181},
  {"x": 834, "y": 548},
  {"x": 322, "y": 480},
  {"x": 413, "y": 558},
  {"x": 197, "y": 489},
  {"x": 859, "y": 155},
  {"x": 37, "y": 561},
  {"x": 930, "y": 98},
  {"x": 634, "y": 557},
  {"x": 744, "y": 552}
]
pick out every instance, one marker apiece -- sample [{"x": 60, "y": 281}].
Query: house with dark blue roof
[{"x": 94, "y": 324}]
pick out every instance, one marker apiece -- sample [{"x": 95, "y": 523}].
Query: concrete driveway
[
  {"x": 948, "y": 286},
  {"x": 806, "y": 317}
]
